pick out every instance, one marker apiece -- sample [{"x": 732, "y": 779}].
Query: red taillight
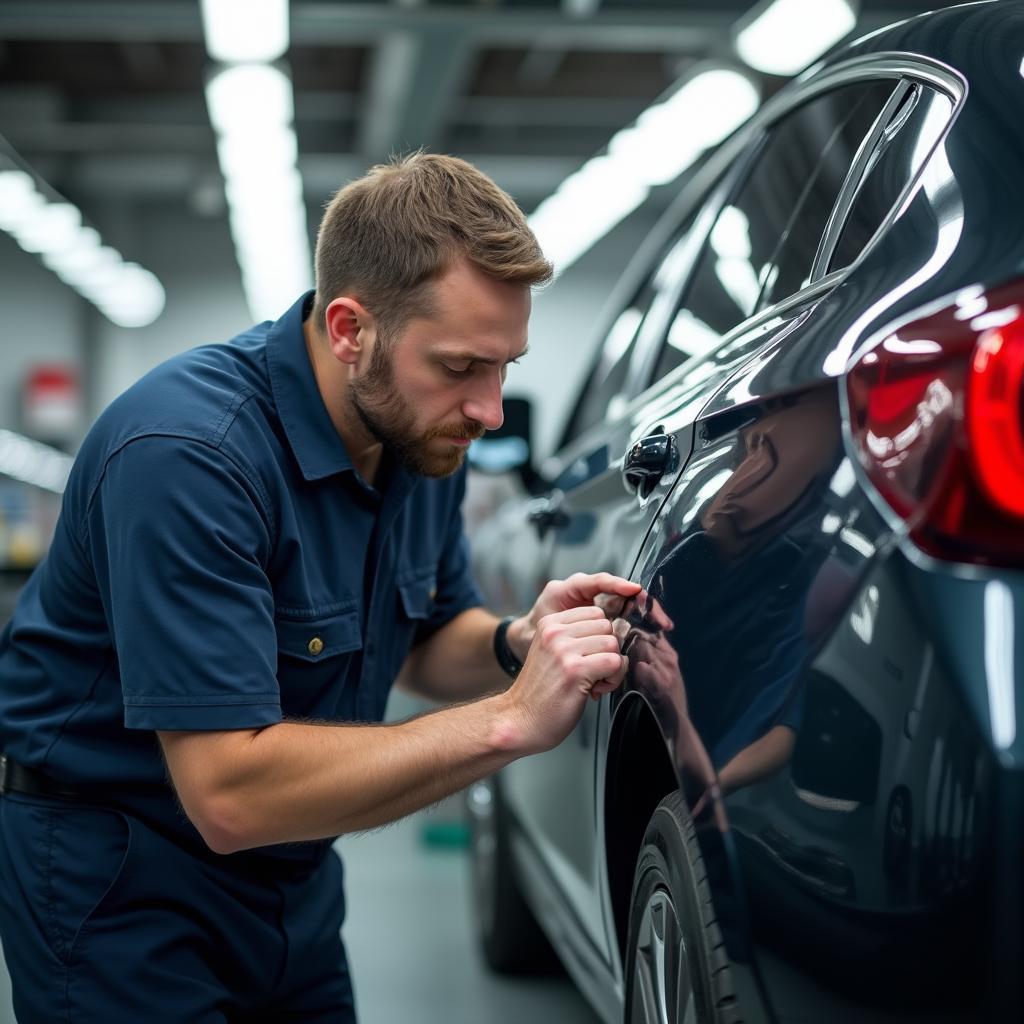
[
  {"x": 995, "y": 385},
  {"x": 936, "y": 415}
]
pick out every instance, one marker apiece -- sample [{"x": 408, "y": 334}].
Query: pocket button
[{"x": 316, "y": 645}]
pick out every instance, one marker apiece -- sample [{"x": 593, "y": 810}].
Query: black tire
[
  {"x": 511, "y": 940},
  {"x": 672, "y": 919}
]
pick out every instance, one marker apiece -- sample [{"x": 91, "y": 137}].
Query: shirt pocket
[
  {"x": 417, "y": 589},
  {"x": 316, "y": 637}
]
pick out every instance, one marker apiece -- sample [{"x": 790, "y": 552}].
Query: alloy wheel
[{"x": 663, "y": 986}]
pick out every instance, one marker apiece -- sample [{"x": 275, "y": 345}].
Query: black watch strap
[{"x": 510, "y": 664}]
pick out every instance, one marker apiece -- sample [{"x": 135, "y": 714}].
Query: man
[{"x": 253, "y": 539}]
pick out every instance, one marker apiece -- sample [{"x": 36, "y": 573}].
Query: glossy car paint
[{"x": 841, "y": 711}]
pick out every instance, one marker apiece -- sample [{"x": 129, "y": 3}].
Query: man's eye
[{"x": 457, "y": 371}]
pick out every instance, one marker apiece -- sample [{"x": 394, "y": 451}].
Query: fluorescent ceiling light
[
  {"x": 244, "y": 153},
  {"x": 245, "y": 30},
  {"x": 19, "y": 200},
  {"x": 80, "y": 268},
  {"x": 665, "y": 140},
  {"x": 711, "y": 105},
  {"x": 53, "y": 228},
  {"x": 587, "y": 205},
  {"x": 136, "y": 299},
  {"x": 125, "y": 293},
  {"x": 669, "y": 136},
  {"x": 251, "y": 108},
  {"x": 249, "y": 97},
  {"x": 784, "y": 36},
  {"x": 33, "y": 463},
  {"x": 264, "y": 188},
  {"x": 83, "y": 249}
]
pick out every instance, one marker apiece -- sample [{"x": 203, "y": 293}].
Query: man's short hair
[{"x": 385, "y": 236}]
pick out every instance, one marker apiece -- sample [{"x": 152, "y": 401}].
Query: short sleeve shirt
[{"x": 220, "y": 564}]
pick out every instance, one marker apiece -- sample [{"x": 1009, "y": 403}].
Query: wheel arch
[{"x": 639, "y": 773}]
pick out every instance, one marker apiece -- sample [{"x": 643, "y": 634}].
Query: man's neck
[{"x": 332, "y": 381}]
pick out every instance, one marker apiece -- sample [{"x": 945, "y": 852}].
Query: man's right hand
[{"x": 571, "y": 652}]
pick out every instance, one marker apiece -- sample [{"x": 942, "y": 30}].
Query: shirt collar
[
  {"x": 316, "y": 444},
  {"x": 317, "y": 447}
]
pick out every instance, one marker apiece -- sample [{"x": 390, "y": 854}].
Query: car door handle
[
  {"x": 647, "y": 462},
  {"x": 546, "y": 514}
]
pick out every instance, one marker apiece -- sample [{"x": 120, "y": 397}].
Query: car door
[
  {"x": 580, "y": 522},
  {"x": 753, "y": 553},
  {"x": 614, "y": 475}
]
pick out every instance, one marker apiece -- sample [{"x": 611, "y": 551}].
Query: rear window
[
  {"x": 766, "y": 236},
  {"x": 920, "y": 121}
]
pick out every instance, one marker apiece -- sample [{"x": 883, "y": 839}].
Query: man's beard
[{"x": 388, "y": 417}]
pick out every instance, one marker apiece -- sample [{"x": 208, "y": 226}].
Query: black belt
[{"x": 16, "y": 778}]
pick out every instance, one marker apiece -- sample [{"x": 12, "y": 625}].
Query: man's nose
[{"x": 485, "y": 406}]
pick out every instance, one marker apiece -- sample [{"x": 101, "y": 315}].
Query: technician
[{"x": 257, "y": 538}]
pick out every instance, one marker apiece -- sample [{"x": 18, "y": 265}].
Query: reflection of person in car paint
[
  {"x": 654, "y": 664},
  {"x": 735, "y": 590}
]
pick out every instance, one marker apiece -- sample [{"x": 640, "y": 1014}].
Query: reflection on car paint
[{"x": 748, "y": 580}]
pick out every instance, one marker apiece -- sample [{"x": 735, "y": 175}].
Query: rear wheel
[
  {"x": 509, "y": 935},
  {"x": 677, "y": 970}
]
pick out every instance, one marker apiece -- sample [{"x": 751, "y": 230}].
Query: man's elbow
[
  {"x": 209, "y": 773},
  {"x": 221, "y": 822}
]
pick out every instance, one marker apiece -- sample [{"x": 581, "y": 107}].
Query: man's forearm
[
  {"x": 293, "y": 782},
  {"x": 457, "y": 663}
]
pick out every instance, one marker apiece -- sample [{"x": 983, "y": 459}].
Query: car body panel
[{"x": 841, "y": 712}]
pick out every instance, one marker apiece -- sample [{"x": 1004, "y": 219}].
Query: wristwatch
[{"x": 506, "y": 659}]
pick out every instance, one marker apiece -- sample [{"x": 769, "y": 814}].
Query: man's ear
[{"x": 351, "y": 329}]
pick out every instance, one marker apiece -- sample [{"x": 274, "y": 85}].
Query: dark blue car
[{"x": 803, "y": 435}]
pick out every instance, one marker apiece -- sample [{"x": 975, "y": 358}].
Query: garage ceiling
[{"x": 105, "y": 99}]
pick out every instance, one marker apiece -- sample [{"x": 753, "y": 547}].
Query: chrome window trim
[
  {"x": 702, "y": 189},
  {"x": 907, "y": 189},
  {"x": 862, "y": 162}
]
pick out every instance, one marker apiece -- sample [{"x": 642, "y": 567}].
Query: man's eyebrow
[{"x": 473, "y": 357}]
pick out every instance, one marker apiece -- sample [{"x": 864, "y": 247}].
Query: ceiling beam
[
  {"x": 109, "y": 137},
  {"x": 415, "y": 83},
  {"x": 320, "y": 24},
  {"x": 532, "y": 111},
  {"x": 116, "y": 177}
]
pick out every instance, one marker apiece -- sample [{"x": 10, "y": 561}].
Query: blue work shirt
[{"x": 220, "y": 564}]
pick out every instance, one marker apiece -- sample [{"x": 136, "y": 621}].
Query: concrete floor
[
  {"x": 414, "y": 901},
  {"x": 410, "y": 942}
]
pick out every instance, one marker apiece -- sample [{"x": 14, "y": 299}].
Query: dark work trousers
[{"x": 105, "y": 921}]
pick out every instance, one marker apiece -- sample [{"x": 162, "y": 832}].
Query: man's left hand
[{"x": 579, "y": 590}]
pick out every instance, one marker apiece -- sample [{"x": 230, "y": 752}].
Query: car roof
[{"x": 983, "y": 41}]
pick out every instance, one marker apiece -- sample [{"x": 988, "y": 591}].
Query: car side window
[
  {"x": 790, "y": 265},
  {"x": 608, "y": 375},
  {"x": 902, "y": 150},
  {"x": 604, "y": 394},
  {"x": 775, "y": 219}
]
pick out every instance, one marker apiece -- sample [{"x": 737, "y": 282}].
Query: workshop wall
[
  {"x": 194, "y": 259},
  {"x": 42, "y": 322}
]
